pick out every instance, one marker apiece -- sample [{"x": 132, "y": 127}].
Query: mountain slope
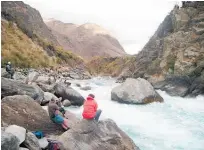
[
  {"x": 27, "y": 18},
  {"x": 87, "y": 40},
  {"x": 111, "y": 66},
  {"x": 176, "y": 50},
  {"x": 27, "y": 42},
  {"x": 18, "y": 48},
  {"x": 177, "y": 46}
]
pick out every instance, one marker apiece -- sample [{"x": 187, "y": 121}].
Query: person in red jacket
[{"x": 90, "y": 108}]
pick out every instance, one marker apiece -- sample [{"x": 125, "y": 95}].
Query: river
[{"x": 176, "y": 124}]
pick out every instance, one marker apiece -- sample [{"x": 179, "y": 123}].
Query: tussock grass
[{"x": 23, "y": 51}]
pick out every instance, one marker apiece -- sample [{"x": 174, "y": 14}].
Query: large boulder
[
  {"x": 72, "y": 119},
  {"x": 19, "y": 76},
  {"x": 66, "y": 92},
  {"x": 19, "y": 132},
  {"x": 85, "y": 88},
  {"x": 197, "y": 86},
  {"x": 45, "y": 79},
  {"x": 135, "y": 91},
  {"x": 32, "y": 76},
  {"x": 9, "y": 141},
  {"x": 31, "y": 142},
  {"x": 89, "y": 135},
  {"x": 66, "y": 103},
  {"x": 174, "y": 86},
  {"x": 47, "y": 97},
  {"x": 4, "y": 73},
  {"x": 10, "y": 87},
  {"x": 23, "y": 111},
  {"x": 43, "y": 143},
  {"x": 46, "y": 87}
]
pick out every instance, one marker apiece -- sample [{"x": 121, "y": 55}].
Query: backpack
[
  {"x": 38, "y": 134},
  {"x": 53, "y": 145}
]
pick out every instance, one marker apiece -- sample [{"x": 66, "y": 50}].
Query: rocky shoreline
[
  {"x": 21, "y": 107},
  {"x": 24, "y": 97}
]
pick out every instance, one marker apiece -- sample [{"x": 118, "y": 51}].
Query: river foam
[{"x": 176, "y": 124}]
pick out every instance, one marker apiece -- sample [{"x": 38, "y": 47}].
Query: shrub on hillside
[
  {"x": 171, "y": 59},
  {"x": 23, "y": 52}
]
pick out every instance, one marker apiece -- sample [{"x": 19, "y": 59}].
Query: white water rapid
[{"x": 176, "y": 124}]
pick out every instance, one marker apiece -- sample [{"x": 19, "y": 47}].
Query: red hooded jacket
[{"x": 90, "y": 108}]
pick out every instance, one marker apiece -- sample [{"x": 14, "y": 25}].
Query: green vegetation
[
  {"x": 171, "y": 59},
  {"x": 19, "y": 49}
]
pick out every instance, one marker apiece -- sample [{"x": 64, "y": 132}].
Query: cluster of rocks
[
  {"x": 21, "y": 115},
  {"x": 85, "y": 134},
  {"x": 42, "y": 86},
  {"x": 46, "y": 75},
  {"x": 15, "y": 137},
  {"x": 21, "y": 111}
]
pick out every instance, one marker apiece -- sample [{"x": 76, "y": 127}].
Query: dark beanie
[{"x": 91, "y": 95}]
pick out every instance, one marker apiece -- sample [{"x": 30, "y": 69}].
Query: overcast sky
[{"x": 132, "y": 22}]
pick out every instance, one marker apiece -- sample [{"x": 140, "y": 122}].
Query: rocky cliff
[
  {"x": 27, "y": 41},
  {"x": 176, "y": 51},
  {"x": 27, "y": 19},
  {"x": 87, "y": 40}
]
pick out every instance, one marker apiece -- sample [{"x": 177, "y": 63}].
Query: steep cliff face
[
  {"x": 27, "y": 41},
  {"x": 87, "y": 40},
  {"x": 176, "y": 49},
  {"x": 27, "y": 18}
]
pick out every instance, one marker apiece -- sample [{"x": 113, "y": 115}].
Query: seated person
[
  {"x": 61, "y": 107},
  {"x": 90, "y": 108},
  {"x": 55, "y": 116}
]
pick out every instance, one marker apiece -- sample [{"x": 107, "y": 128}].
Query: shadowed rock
[
  {"x": 135, "y": 91},
  {"x": 9, "y": 141},
  {"x": 89, "y": 135},
  {"x": 11, "y": 87},
  {"x": 66, "y": 92},
  {"x": 23, "y": 111}
]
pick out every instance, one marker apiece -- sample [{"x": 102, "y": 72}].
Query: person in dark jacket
[
  {"x": 54, "y": 113},
  {"x": 9, "y": 69},
  {"x": 91, "y": 110}
]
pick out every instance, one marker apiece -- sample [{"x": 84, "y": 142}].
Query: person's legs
[
  {"x": 12, "y": 73},
  {"x": 12, "y": 76},
  {"x": 98, "y": 113},
  {"x": 65, "y": 124},
  {"x": 9, "y": 74}
]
